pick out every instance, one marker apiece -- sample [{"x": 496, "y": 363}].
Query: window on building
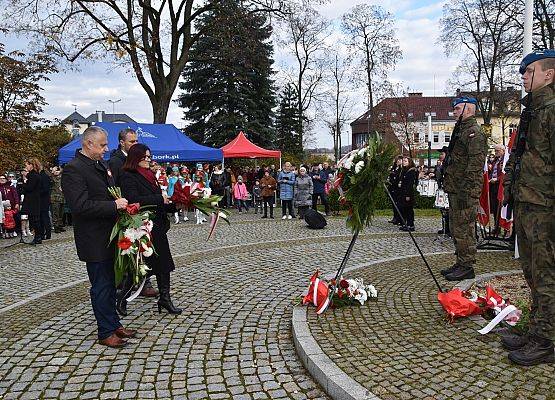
[
  {"x": 447, "y": 137},
  {"x": 451, "y": 114},
  {"x": 361, "y": 139},
  {"x": 436, "y": 137},
  {"x": 411, "y": 115},
  {"x": 433, "y": 114}
]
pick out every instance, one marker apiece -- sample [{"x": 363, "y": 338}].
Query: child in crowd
[
  {"x": 329, "y": 184},
  {"x": 172, "y": 180},
  {"x": 257, "y": 197},
  {"x": 9, "y": 220},
  {"x": 240, "y": 194},
  {"x": 197, "y": 189}
]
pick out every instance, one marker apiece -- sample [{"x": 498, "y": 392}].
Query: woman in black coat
[
  {"x": 407, "y": 192},
  {"x": 30, "y": 189},
  {"x": 139, "y": 185}
]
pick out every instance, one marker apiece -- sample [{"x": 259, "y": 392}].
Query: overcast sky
[{"x": 423, "y": 68}]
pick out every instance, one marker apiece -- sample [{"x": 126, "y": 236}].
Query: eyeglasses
[{"x": 147, "y": 158}]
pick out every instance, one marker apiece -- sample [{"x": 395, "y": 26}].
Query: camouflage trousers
[
  {"x": 57, "y": 214},
  {"x": 535, "y": 232},
  {"x": 462, "y": 223}
]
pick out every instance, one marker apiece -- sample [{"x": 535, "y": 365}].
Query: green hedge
[{"x": 382, "y": 203}]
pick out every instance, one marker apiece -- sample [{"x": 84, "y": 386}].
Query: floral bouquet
[
  {"x": 133, "y": 235},
  {"x": 349, "y": 292},
  {"x": 352, "y": 291},
  {"x": 201, "y": 199},
  {"x": 360, "y": 176}
]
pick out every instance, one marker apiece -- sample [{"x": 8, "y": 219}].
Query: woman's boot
[{"x": 165, "y": 301}]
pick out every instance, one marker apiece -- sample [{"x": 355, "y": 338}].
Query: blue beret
[
  {"x": 464, "y": 99},
  {"x": 535, "y": 56}
]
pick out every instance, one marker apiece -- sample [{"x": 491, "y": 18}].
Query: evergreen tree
[
  {"x": 227, "y": 84},
  {"x": 288, "y": 137}
]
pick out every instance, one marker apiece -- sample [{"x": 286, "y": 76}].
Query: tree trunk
[{"x": 160, "y": 106}]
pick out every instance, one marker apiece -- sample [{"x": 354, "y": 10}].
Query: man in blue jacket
[{"x": 319, "y": 179}]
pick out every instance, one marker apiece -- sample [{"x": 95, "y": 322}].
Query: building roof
[
  {"x": 110, "y": 118},
  {"x": 413, "y": 107},
  {"x": 74, "y": 116}
]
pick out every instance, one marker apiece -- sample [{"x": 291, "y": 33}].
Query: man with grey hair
[{"x": 85, "y": 182}]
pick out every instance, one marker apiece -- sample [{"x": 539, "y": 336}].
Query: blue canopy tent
[{"x": 166, "y": 142}]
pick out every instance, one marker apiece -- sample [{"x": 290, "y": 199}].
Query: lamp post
[{"x": 114, "y": 104}]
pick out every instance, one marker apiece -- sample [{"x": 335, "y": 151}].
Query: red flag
[
  {"x": 505, "y": 220},
  {"x": 483, "y": 208}
]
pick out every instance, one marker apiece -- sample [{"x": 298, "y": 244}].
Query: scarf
[{"x": 149, "y": 176}]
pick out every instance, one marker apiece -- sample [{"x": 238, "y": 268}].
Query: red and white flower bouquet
[
  {"x": 133, "y": 235},
  {"x": 347, "y": 293}
]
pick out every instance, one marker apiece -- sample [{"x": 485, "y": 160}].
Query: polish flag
[
  {"x": 483, "y": 207},
  {"x": 506, "y": 215}
]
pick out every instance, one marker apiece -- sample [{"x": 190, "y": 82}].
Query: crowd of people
[
  {"x": 258, "y": 188},
  {"x": 32, "y": 202}
]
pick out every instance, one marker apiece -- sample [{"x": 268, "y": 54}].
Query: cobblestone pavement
[
  {"x": 233, "y": 339},
  {"x": 401, "y": 347}
]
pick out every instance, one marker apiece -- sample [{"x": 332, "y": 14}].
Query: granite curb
[{"x": 336, "y": 383}]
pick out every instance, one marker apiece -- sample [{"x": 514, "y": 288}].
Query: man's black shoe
[
  {"x": 461, "y": 273},
  {"x": 403, "y": 228},
  {"x": 538, "y": 351},
  {"x": 514, "y": 342},
  {"x": 449, "y": 270}
]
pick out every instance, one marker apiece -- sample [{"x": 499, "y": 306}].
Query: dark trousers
[
  {"x": 268, "y": 201},
  {"x": 324, "y": 199},
  {"x": 408, "y": 215},
  {"x": 396, "y": 216},
  {"x": 45, "y": 223},
  {"x": 103, "y": 297},
  {"x": 287, "y": 207}
]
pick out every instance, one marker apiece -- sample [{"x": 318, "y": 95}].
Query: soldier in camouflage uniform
[
  {"x": 462, "y": 180},
  {"x": 533, "y": 191},
  {"x": 57, "y": 201}
]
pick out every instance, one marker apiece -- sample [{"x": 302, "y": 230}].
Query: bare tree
[
  {"x": 338, "y": 101},
  {"x": 153, "y": 37},
  {"x": 484, "y": 33},
  {"x": 544, "y": 29},
  {"x": 371, "y": 31},
  {"x": 306, "y": 35}
]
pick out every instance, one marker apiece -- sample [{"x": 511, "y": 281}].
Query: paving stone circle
[{"x": 233, "y": 340}]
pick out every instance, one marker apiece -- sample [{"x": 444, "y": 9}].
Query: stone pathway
[
  {"x": 401, "y": 346},
  {"x": 233, "y": 339}
]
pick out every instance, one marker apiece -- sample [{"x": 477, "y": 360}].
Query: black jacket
[
  {"x": 136, "y": 189},
  {"x": 407, "y": 187},
  {"x": 45, "y": 189},
  {"x": 117, "y": 159},
  {"x": 85, "y": 185},
  {"x": 31, "y": 192}
]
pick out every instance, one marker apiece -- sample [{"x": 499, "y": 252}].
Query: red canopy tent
[{"x": 241, "y": 147}]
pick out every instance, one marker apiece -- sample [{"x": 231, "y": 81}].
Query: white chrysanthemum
[
  {"x": 361, "y": 152},
  {"x": 130, "y": 250},
  {"x": 132, "y": 234},
  {"x": 361, "y": 296},
  {"x": 372, "y": 292},
  {"x": 359, "y": 166}
]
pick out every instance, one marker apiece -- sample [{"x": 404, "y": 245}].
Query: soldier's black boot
[
  {"x": 538, "y": 350},
  {"x": 449, "y": 270},
  {"x": 460, "y": 273},
  {"x": 514, "y": 342}
]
